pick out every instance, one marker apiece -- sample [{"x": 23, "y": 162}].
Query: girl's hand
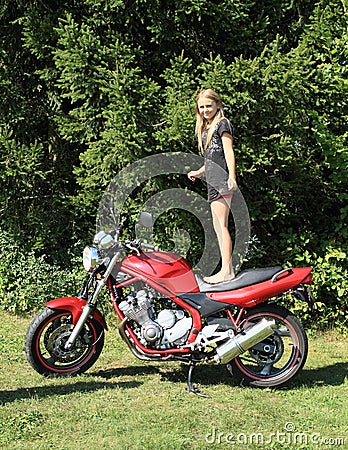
[
  {"x": 194, "y": 174},
  {"x": 232, "y": 184}
]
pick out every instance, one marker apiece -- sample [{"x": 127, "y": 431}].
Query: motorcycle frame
[{"x": 241, "y": 300}]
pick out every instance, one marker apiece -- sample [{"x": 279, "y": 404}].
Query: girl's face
[{"x": 207, "y": 108}]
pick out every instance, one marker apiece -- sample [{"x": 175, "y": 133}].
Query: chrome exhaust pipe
[{"x": 242, "y": 342}]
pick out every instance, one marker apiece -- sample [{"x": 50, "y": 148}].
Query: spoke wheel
[
  {"x": 277, "y": 359},
  {"x": 45, "y": 344}
]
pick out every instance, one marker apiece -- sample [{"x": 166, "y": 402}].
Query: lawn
[{"x": 123, "y": 403}]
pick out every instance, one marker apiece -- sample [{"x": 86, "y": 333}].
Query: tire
[
  {"x": 45, "y": 339},
  {"x": 277, "y": 359}
]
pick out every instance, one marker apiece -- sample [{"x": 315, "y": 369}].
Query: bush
[
  {"x": 28, "y": 281},
  {"x": 330, "y": 280}
]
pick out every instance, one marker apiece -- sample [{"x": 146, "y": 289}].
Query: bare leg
[{"x": 220, "y": 211}]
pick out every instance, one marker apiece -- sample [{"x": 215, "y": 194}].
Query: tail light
[{"x": 308, "y": 279}]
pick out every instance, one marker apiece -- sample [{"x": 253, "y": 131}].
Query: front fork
[
  {"x": 91, "y": 303},
  {"x": 87, "y": 310}
]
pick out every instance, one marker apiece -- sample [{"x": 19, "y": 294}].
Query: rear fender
[
  {"x": 304, "y": 294},
  {"x": 75, "y": 306}
]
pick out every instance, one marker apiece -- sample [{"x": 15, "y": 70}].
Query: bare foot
[{"x": 219, "y": 277}]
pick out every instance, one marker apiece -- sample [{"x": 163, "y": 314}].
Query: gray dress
[{"x": 216, "y": 170}]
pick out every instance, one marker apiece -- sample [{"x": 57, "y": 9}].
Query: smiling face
[{"x": 207, "y": 108}]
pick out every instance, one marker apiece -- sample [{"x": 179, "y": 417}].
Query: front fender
[{"x": 75, "y": 306}]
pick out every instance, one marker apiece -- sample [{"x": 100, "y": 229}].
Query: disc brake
[{"x": 55, "y": 344}]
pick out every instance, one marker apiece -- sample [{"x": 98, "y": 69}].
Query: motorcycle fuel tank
[{"x": 165, "y": 268}]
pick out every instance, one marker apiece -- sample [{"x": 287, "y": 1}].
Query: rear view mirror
[{"x": 146, "y": 219}]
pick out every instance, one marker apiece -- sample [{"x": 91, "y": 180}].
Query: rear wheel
[
  {"x": 46, "y": 338},
  {"x": 277, "y": 359}
]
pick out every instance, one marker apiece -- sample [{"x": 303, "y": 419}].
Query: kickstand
[{"x": 192, "y": 387}]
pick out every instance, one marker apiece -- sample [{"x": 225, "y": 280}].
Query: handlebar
[
  {"x": 137, "y": 244},
  {"x": 149, "y": 247}
]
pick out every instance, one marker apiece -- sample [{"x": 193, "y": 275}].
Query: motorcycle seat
[{"x": 243, "y": 279}]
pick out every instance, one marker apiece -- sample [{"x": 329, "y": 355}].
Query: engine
[{"x": 168, "y": 328}]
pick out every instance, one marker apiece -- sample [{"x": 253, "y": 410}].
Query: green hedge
[{"x": 86, "y": 88}]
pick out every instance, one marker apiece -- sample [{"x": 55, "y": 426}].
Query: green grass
[{"x": 123, "y": 403}]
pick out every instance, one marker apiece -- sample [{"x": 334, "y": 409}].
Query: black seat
[{"x": 243, "y": 279}]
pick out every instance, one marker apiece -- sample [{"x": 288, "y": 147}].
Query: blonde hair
[{"x": 201, "y": 123}]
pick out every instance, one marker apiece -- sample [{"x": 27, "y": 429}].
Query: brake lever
[{"x": 132, "y": 247}]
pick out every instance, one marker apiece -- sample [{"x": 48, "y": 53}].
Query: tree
[{"x": 90, "y": 87}]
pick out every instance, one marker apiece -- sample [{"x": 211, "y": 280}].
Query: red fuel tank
[{"x": 165, "y": 268}]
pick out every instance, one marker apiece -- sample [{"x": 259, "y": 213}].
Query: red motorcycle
[{"x": 167, "y": 312}]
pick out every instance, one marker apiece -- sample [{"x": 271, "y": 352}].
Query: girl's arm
[{"x": 227, "y": 143}]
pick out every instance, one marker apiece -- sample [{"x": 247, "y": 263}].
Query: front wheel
[
  {"x": 277, "y": 359},
  {"x": 45, "y": 344}
]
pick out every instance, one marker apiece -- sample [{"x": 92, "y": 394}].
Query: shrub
[
  {"x": 330, "y": 280},
  {"x": 28, "y": 281}
]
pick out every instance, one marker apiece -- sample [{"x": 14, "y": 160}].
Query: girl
[{"x": 214, "y": 133}]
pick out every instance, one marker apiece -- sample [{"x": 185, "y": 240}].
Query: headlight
[{"x": 90, "y": 258}]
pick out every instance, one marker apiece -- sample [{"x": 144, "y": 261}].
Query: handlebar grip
[{"x": 149, "y": 246}]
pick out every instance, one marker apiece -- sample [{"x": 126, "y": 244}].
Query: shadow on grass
[
  {"x": 126, "y": 371},
  {"x": 66, "y": 389},
  {"x": 202, "y": 374},
  {"x": 333, "y": 375}
]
